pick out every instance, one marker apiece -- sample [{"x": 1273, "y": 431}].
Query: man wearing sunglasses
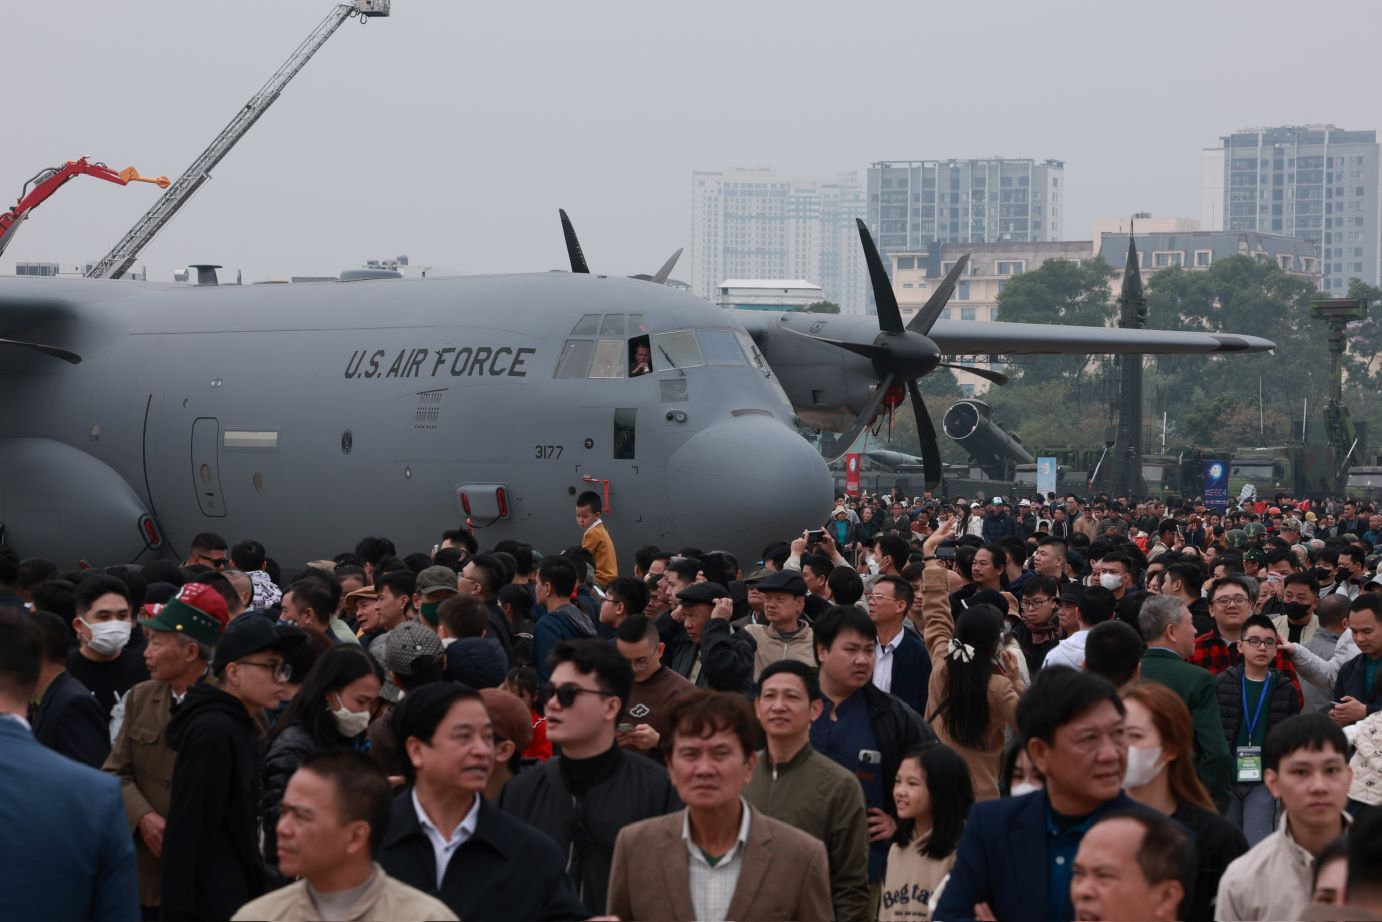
[
  {"x": 211, "y": 860},
  {"x": 583, "y": 797},
  {"x": 208, "y": 550}
]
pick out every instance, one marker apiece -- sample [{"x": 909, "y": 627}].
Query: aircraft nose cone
[{"x": 742, "y": 483}]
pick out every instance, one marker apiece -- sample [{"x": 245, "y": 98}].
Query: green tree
[
  {"x": 820, "y": 307},
  {"x": 1061, "y": 292}
]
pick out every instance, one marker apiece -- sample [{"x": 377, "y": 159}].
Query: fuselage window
[
  {"x": 575, "y": 358},
  {"x": 613, "y": 325},
  {"x": 625, "y": 430},
  {"x": 610, "y": 358},
  {"x": 677, "y": 350},
  {"x": 721, "y": 348}
]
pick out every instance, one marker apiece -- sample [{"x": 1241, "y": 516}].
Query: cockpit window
[
  {"x": 611, "y": 355},
  {"x": 575, "y": 358},
  {"x": 589, "y": 325},
  {"x": 677, "y": 350},
  {"x": 721, "y": 348},
  {"x": 640, "y": 357},
  {"x": 751, "y": 350},
  {"x": 613, "y": 325}
]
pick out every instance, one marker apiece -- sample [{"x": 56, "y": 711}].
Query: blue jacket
[
  {"x": 996, "y": 527},
  {"x": 565, "y": 623},
  {"x": 911, "y": 672},
  {"x": 1002, "y": 859},
  {"x": 68, "y": 852}
]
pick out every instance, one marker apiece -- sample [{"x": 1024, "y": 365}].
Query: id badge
[{"x": 1249, "y": 762}]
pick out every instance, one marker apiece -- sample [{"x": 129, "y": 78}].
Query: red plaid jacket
[{"x": 1214, "y": 653}]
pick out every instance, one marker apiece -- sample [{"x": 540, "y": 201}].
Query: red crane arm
[{"x": 51, "y": 180}]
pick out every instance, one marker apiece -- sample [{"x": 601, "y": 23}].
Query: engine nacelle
[
  {"x": 57, "y": 501},
  {"x": 993, "y": 448}
]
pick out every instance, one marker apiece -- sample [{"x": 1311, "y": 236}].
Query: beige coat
[
  {"x": 386, "y": 898},
  {"x": 785, "y": 873},
  {"x": 938, "y": 627},
  {"x": 143, "y": 762}
]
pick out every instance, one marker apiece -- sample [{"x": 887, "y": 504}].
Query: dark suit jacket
[
  {"x": 911, "y": 672},
  {"x": 784, "y": 873},
  {"x": 71, "y": 721},
  {"x": 67, "y": 850},
  {"x": 506, "y": 870},
  {"x": 1352, "y": 681},
  {"x": 1002, "y": 859}
]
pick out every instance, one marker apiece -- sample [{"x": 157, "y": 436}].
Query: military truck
[
  {"x": 1296, "y": 468},
  {"x": 1364, "y": 483}
]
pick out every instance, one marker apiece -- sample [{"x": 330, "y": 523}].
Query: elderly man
[
  {"x": 1133, "y": 866},
  {"x": 737, "y": 659},
  {"x": 182, "y": 636},
  {"x": 719, "y": 858}
]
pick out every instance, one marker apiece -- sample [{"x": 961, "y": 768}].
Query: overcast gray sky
[{"x": 453, "y": 131}]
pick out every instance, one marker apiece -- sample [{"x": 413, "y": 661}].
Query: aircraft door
[{"x": 206, "y": 468}]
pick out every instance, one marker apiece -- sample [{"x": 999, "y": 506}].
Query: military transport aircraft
[{"x": 307, "y": 415}]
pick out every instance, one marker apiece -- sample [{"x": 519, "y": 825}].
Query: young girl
[
  {"x": 933, "y": 793},
  {"x": 523, "y": 682}
]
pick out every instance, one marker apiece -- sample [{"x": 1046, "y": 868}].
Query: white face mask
[
  {"x": 1026, "y": 787},
  {"x": 1110, "y": 581},
  {"x": 350, "y": 723},
  {"x": 108, "y": 638},
  {"x": 873, "y": 566},
  {"x": 1142, "y": 766}
]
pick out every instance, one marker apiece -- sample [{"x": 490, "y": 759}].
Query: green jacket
[
  {"x": 1197, "y": 688},
  {"x": 824, "y": 800}
]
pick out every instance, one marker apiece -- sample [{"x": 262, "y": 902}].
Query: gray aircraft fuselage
[{"x": 310, "y": 415}]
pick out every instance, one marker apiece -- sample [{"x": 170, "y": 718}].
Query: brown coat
[
  {"x": 143, "y": 762},
  {"x": 601, "y": 547},
  {"x": 385, "y": 898},
  {"x": 937, "y": 628},
  {"x": 785, "y": 873}
]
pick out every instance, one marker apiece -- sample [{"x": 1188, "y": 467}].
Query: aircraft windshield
[{"x": 676, "y": 350}]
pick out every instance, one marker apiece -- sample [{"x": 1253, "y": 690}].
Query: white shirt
[
  {"x": 883, "y": 662},
  {"x": 712, "y": 888},
  {"x": 17, "y": 718},
  {"x": 442, "y": 847},
  {"x": 1069, "y": 652}
]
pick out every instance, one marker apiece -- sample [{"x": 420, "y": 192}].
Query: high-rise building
[
  {"x": 914, "y": 203},
  {"x": 1316, "y": 182},
  {"x": 754, "y": 224}
]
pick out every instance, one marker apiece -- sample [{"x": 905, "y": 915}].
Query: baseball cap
[
  {"x": 1025, "y": 502},
  {"x": 789, "y": 581},
  {"x": 998, "y": 500},
  {"x": 250, "y": 634},
  {"x": 510, "y": 717},
  {"x": 197, "y": 610},
  {"x": 704, "y": 593},
  {"x": 436, "y": 579},
  {"x": 757, "y": 576}
]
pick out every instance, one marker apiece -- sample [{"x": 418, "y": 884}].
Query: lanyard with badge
[{"x": 1249, "y": 758}]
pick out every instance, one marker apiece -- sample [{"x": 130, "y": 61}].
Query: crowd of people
[{"x": 923, "y": 709}]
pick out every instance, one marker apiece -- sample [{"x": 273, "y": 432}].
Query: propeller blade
[
  {"x": 889, "y": 317},
  {"x": 925, "y": 318},
  {"x": 926, "y": 435},
  {"x": 54, "y": 351},
  {"x": 997, "y": 377},
  {"x": 835, "y": 449},
  {"x": 573, "y": 245},
  {"x": 666, "y": 271},
  {"x": 867, "y": 350}
]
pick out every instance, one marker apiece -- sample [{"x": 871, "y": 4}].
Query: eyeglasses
[
  {"x": 282, "y": 672},
  {"x": 1033, "y": 603},
  {"x": 1260, "y": 642},
  {"x": 875, "y": 597},
  {"x": 566, "y": 694},
  {"x": 1231, "y": 600}
]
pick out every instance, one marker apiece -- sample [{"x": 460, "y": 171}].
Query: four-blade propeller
[{"x": 901, "y": 353}]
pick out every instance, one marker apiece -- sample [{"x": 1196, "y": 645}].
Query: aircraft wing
[{"x": 998, "y": 338}]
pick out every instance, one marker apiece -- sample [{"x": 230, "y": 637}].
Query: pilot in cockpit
[{"x": 642, "y": 361}]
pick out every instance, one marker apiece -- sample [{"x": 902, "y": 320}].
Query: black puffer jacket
[
  {"x": 1284, "y": 701},
  {"x": 211, "y": 864},
  {"x": 290, "y": 748}
]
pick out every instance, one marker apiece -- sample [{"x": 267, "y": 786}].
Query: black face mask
[{"x": 1296, "y": 611}]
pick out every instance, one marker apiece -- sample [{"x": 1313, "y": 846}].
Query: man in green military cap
[{"x": 182, "y": 636}]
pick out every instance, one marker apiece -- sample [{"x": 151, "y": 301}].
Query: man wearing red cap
[{"x": 181, "y": 638}]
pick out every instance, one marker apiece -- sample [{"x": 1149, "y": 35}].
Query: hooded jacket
[
  {"x": 565, "y": 623},
  {"x": 211, "y": 864}
]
